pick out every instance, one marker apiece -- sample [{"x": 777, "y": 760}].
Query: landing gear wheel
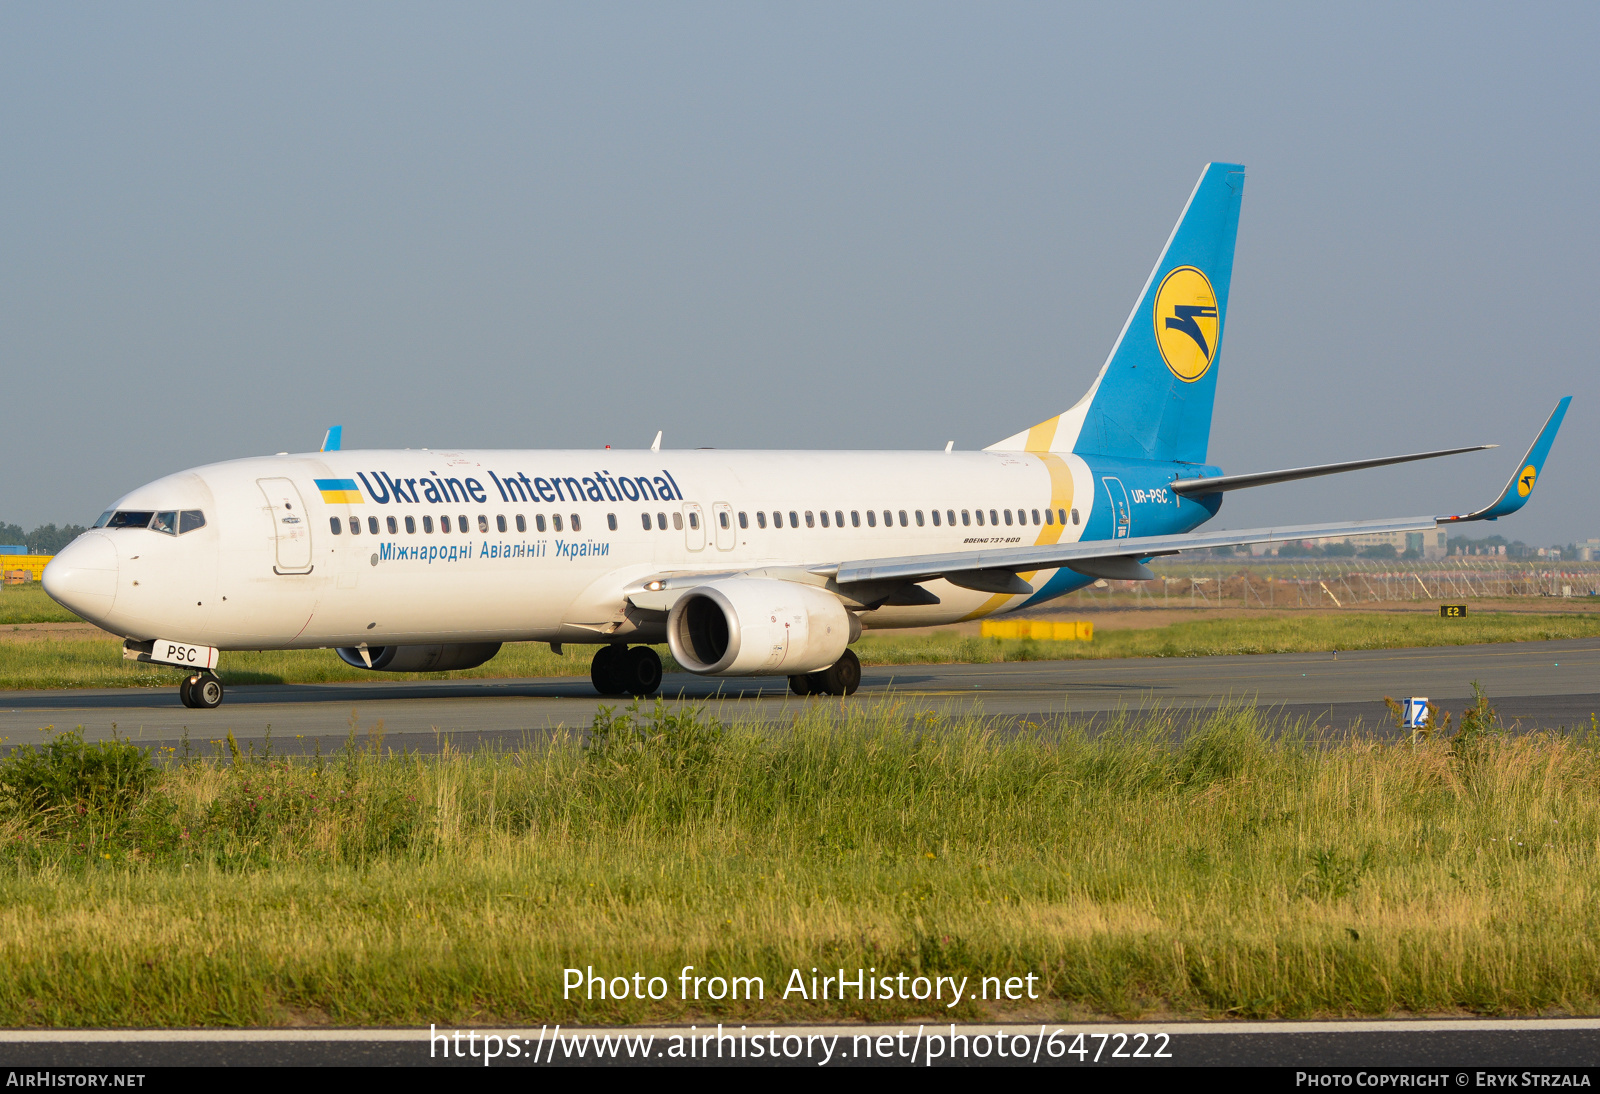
[
  {"x": 641, "y": 671},
  {"x": 184, "y": 688},
  {"x": 800, "y": 685},
  {"x": 845, "y": 675},
  {"x": 205, "y": 692},
  {"x": 607, "y": 668}
]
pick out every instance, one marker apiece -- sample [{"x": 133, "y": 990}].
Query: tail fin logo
[
  {"x": 1525, "y": 480},
  {"x": 1187, "y": 323}
]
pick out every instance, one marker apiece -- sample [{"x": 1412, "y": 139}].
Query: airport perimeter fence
[{"x": 1339, "y": 583}]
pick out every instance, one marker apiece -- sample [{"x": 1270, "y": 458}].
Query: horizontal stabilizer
[
  {"x": 1520, "y": 488},
  {"x": 1194, "y": 488}
]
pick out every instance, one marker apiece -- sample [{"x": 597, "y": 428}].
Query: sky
[{"x": 224, "y": 228}]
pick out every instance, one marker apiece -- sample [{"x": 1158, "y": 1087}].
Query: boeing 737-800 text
[{"x": 746, "y": 563}]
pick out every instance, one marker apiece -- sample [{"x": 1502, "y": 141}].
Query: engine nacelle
[
  {"x": 751, "y": 626},
  {"x": 440, "y": 658}
]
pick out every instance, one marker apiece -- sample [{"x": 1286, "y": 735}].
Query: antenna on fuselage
[
  {"x": 949, "y": 445},
  {"x": 655, "y": 445}
]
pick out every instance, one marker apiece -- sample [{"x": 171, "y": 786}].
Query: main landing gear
[
  {"x": 202, "y": 691},
  {"x": 842, "y": 678},
  {"x": 618, "y": 670}
]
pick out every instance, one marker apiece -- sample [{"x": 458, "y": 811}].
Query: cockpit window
[
  {"x": 104, "y": 518},
  {"x": 129, "y": 518},
  {"x": 168, "y": 521}
]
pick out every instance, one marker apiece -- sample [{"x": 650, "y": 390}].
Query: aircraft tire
[
  {"x": 605, "y": 671},
  {"x": 641, "y": 671},
  {"x": 800, "y": 685},
  {"x": 845, "y": 675},
  {"x": 183, "y": 691},
  {"x": 205, "y": 692}
]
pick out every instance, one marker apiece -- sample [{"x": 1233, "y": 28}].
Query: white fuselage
[{"x": 267, "y": 571}]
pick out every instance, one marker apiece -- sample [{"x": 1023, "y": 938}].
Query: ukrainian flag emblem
[{"x": 339, "y": 491}]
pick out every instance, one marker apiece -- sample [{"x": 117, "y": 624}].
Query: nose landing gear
[
  {"x": 843, "y": 677},
  {"x": 203, "y": 691},
  {"x": 618, "y": 670}
]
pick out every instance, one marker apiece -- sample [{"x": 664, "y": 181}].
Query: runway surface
[
  {"x": 1544, "y": 685},
  {"x": 1445, "y": 1048}
]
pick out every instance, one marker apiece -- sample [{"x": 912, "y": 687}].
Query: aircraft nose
[{"x": 83, "y": 577}]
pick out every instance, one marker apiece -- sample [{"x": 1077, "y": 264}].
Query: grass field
[
  {"x": 1237, "y": 871},
  {"x": 95, "y": 662},
  {"x": 28, "y": 604}
]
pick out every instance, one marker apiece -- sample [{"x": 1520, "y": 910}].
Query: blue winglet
[
  {"x": 331, "y": 442},
  {"x": 1520, "y": 488}
]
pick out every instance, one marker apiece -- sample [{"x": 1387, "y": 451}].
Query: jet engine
[
  {"x": 440, "y": 658},
  {"x": 751, "y": 626}
]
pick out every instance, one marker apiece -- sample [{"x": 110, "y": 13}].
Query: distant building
[{"x": 1589, "y": 550}]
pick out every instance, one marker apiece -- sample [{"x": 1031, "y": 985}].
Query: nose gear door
[{"x": 291, "y": 525}]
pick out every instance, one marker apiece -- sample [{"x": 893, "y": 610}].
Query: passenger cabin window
[
  {"x": 794, "y": 519},
  {"x": 522, "y": 523},
  {"x": 992, "y": 518},
  {"x": 500, "y": 522},
  {"x": 611, "y": 521},
  {"x": 336, "y": 524},
  {"x": 744, "y": 521},
  {"x": 661, "y": 521},
  {"x": 950, "y": 515},
  {"x": 903, "y": 522},
  {"x": 966, "y": 517},
  {"x": 463, "y": 527},
  {"x": 555, "y": 521},
  {"x": 694, "y": 519},
  {"x": 189, "y": 520},
  {"x": 888, "y": 519},
  {"x": 824, "y": 516},
  {"x": 811, "y": 521},
  {"x": 1074, "y": 516},
  {"x": 936, "y": 518},
  {"x": 394, "y": 529},
  {"x": 1008, "y": 516},
  {"x": 355, "y": 526},
  {"x": 919, "y": 518},
  {"x": 872, "y": 518},
  {"x": 855, "y": 518},
  {"x": 646, "y": 517},
  {"x": 411, "y": 526},
  {"x": 427, "y": 525},
  {"x": 538, "y": 521},
  {"x": 761, "y": 518},
  {"x": 1036, "y": 516},
  {"x": 980, "y": 516},
  {"x": 444, "y": 523},
  {"x": 1049, "y": 518},
  {"x": 838, "y": 517},
  {"x": 677, "y": 522},
  {"x": 722, "y": 519},
  {"x": 483, "y": 523}
]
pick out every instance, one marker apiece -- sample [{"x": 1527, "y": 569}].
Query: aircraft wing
[
  {"x": 995, "y": 570},
  {"x": 1118, "y": 558}
]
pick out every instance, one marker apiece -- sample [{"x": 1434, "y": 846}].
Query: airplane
[{"x": 746, "y": 563}]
